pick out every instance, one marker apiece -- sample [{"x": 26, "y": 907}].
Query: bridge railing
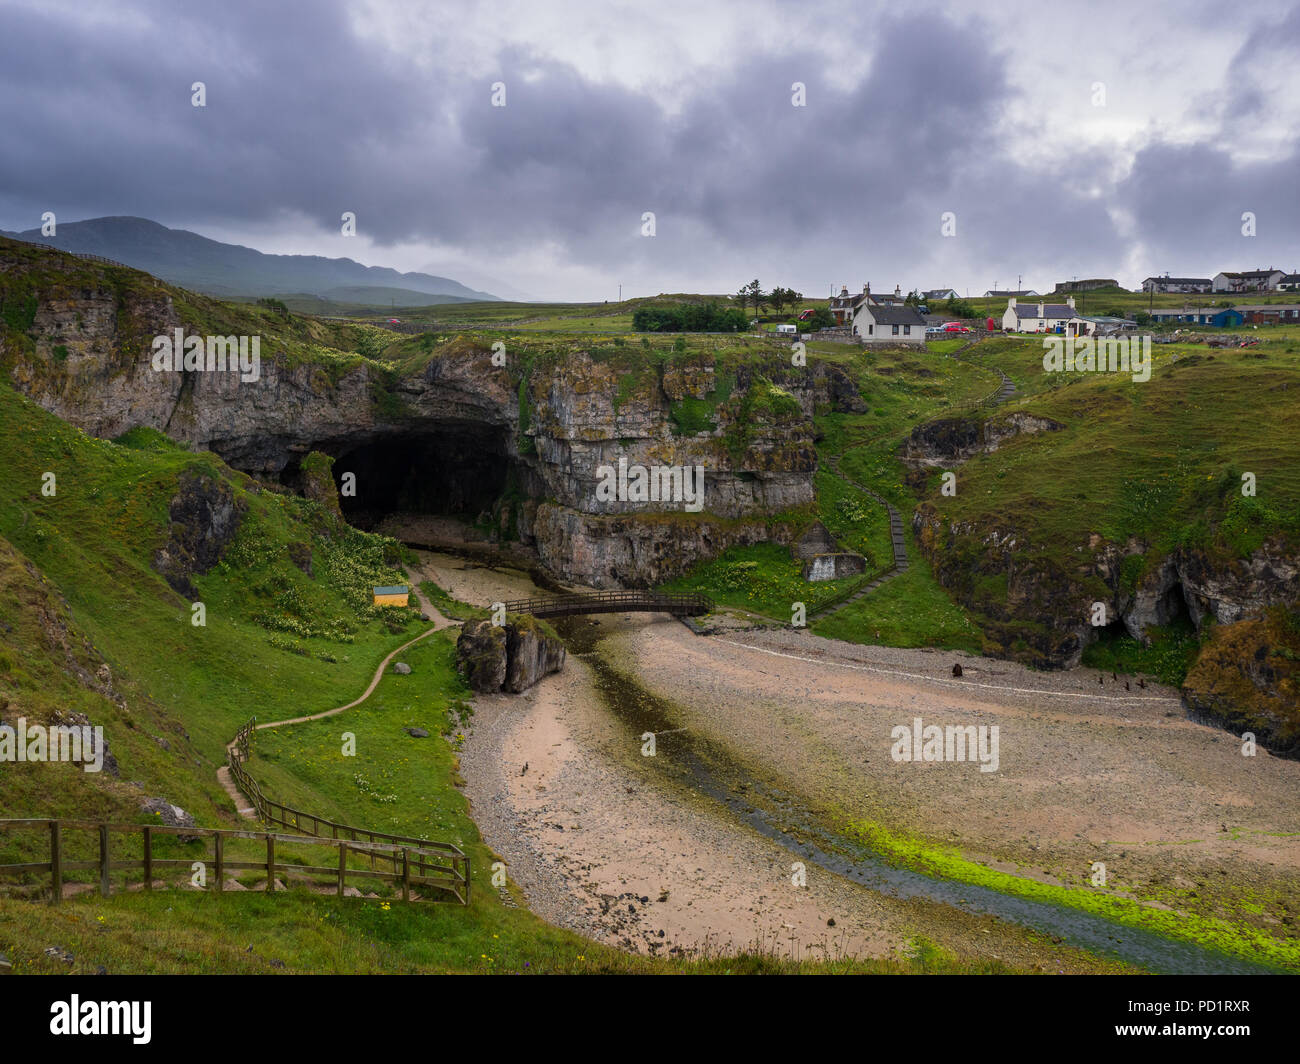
[{"x": 690, "y": 603}]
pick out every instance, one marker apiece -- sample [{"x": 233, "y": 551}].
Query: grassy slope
[{"x": 94, "y": 541}]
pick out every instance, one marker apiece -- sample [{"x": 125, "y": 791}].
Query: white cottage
[{"x": 1045, "y": 318}]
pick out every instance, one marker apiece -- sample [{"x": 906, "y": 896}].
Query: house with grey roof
[
  {"x": 1181, "y": 285},
  {"x": 997, "y": 293},
  {"x": 877, "y": 324},
  {"x": 1248, "y": 280},
  {"x": 1045, "y": 318}
]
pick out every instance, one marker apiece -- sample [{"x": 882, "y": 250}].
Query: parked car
[
  {"x": 806, "y": 314},
  {"x": 934, "y": 330},
  {"x": 955, "y": 327}
]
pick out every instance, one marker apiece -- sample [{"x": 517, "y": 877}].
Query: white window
[
  {"x": 895, "y": 330},
  {"x": 907, "y": 330}
]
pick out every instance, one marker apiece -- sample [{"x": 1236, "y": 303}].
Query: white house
[
  {"x": 1184, "y": 285},
  {"x": 1046, "y": 317},
  {"x": 1248, "y": 281},
  {"x": 876, "y": 324},
  {"x": 996, "y": 293},
  {"x": 940, "y": 293},
  {"x": 1289, "y": 283}
]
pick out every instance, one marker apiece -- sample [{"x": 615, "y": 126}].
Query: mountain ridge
[{"x": 213, "y": 267}]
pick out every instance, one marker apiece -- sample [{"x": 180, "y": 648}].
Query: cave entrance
[
  {"x": 452, "y": 470},
  {"x": 1171, "y": 608}
]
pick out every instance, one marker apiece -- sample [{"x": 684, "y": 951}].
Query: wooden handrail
[{"x": 415, "y": 867}]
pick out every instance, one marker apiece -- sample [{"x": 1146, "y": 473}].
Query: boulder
[
  {"x": 531, "y": 653},
  {"x": 481, "y": 656},
  {"x": 401, "y": 668},
  {"x": 511, "y": 657},
  {"x": 171, "y": 815}
]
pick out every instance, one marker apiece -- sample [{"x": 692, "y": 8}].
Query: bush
[{"x": 689, "y": 317}]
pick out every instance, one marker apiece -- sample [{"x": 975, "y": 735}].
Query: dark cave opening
[{"x": 447, "y": 470}]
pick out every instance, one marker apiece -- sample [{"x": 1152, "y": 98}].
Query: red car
[
  {"x": 956, "y": 327},
  {"x": 805, "y": 315}
]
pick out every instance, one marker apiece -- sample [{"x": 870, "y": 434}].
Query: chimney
[
  {"x": 1011, "y": 303},
  {"x": 866, "y": 288},
  {"x": 1040, "y": 310},
  {"x": 897, "y": 291},
  {"x": 1070, "y": 302}
]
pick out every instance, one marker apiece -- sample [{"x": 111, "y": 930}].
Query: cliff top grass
[{"x": 1160, "y": 462}]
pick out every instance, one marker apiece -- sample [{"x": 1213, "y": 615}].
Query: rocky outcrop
[
  {"x": 1035, "y": 609},
  {"x": 632, "y": 552},
  {"x": 481, "y": 656},
  {"x": 1247, "y": 679},
  {"x": 950, "y": 441},
  {"x": 747, "y": 424},
  {"x": 205, "y": 517},
  {"x": 531, "y": 653},
  {"x": 510, "y": 657}
]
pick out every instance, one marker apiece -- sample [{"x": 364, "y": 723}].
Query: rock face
[
  {"x": 481, "y": 656},
  {"x": 205, "y": 517},
  {"x": 531, "y": 653},
  {"x": 823, "y": 567},
  {"x": 510, "y": 657},
  {"x": 949, "y": 440},
  {"x": 1035, "y": 610},
  {"x": 748, "y": 426},
  {"x": 171, "y": 815},
  {"x": 1247, "y": 679}
]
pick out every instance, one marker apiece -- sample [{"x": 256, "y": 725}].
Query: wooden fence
[
  {"x": 408, "y": 866},
  {"x": 402, "y": 853}
]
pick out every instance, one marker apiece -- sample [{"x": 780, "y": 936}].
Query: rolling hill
[{"x": 204, "y": 265}]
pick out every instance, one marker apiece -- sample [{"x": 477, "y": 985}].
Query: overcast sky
[{"x": 1113, "y": 139}]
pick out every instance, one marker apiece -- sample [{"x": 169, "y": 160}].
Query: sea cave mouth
[{"x": 457, "y": 470}]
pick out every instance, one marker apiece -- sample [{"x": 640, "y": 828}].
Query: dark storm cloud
[
  {"x": 1188, "y": 201},
  {"x": 95, "y": 118}
]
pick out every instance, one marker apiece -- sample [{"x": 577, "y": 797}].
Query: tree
[
  {"x": 753, "y": 293},
  {"x": 821, "y": 319},
  {"x": 778, "y": 296}
]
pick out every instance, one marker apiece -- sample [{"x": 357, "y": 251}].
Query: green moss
[{"x": 1210, "y": 932}]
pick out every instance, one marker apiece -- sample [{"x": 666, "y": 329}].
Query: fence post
[
  {"x": 343, "y": 866},
  {"x": 148, "y": 858},
  {"x": 467, "y": 877},
  {"x": 103, "y": 860},
  {"x": 270, "y": 863},
  {"x": 406, "y": 874},
  {"x": 220, "y": 862},
  {"x": 56, "y": 862}
]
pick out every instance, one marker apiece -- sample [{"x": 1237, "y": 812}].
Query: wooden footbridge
[{"x": 678, "y": 603}]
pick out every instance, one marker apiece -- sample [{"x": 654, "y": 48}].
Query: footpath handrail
[
  {"x": 440, "y": 856},
  {"x": 410, "y": 867}
]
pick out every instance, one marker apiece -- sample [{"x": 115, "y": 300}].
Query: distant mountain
[
  {"x": 375, "y": 296},
  {"x": 218, "y": 269}
]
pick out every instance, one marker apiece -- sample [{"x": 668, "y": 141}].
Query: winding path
[
  {"x": 439, "y": 623},
  {"x": 899, "y": 565}
]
